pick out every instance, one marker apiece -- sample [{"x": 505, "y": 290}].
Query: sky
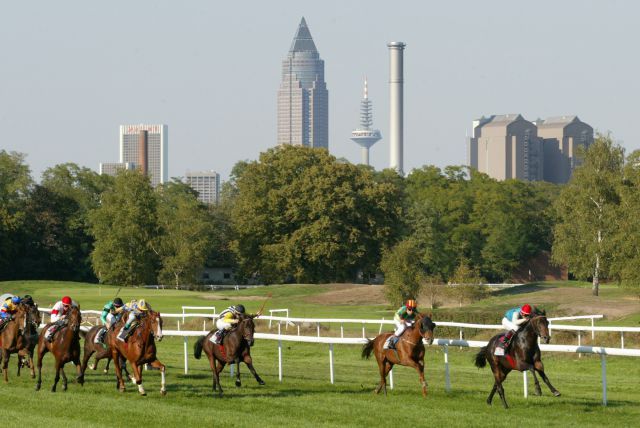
[{"x": 71, "y": 72}]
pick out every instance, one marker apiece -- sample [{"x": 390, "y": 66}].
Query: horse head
[
  {"x": 33, "y": 317},
  {"x": 20, "y": 318},
  {"x": 248, "y": 329},
  {"x": 540, "y": 324},
  {"x": 75, "y": 318},
  {"x": 426, "y": 328},
  {"x": 155, "y": 326}
]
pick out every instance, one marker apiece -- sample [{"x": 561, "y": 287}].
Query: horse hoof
[
  {"x": 556, "y": 394},
  {"x": 37, "y": 387},
  {"x": 143, "y": 394},
  {"x": 163, "y": 392},
  {"x": 261, "y": 382},
  {"x": 93, "y": 366},
  {"x": 105, "y": 371},
  {"x": 238, "y": 384},
  {"x": 122, "y": 390}
]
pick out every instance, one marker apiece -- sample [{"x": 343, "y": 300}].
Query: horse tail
[
  {"x": 197, "y": 347},
  {"x": 481, "y": 358},
  {"x": 367, "y": 349}
]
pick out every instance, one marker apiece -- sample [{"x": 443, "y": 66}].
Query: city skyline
[{"x": 215, "y": 85}]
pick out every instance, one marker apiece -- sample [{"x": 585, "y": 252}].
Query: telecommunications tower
[{"x": 364, "y": 136}]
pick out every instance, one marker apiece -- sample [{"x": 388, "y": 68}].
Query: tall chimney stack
[
  {"x": 396, "y": 126},
  {"x": 143, "y": 152}
]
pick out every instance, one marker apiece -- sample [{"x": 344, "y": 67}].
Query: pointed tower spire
[{"x": 302, "y": 41}]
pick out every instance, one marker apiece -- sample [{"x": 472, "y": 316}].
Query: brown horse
[
  {"x": 139, "y": 349},
  {"x": 523, "y": 354},
  {"x": 11, "y": 338},
  {"x": 101, "y": 352},
  {"x": 235, "y": 348},
  {"x": 30, "y": 339},
  {"x": 409, "y": 351},
  {"x": 65, "y": 347}
]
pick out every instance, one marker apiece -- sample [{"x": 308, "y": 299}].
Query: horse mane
[{"x": 539, "y": 311}]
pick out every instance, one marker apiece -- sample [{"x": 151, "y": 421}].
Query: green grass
[{"x": 305, "y": 397}]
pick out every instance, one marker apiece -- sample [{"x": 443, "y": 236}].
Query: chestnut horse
[
  {"x": 101, "y": 352},
  {"x": 11, "y": 338},
  {"x": 409, "y": 351},
  {"x": 235, "y": 348},
  {"x": 65, "y": 347},
  {"x": 523, "y": 354},
  {"x": 139, "y": 349}
]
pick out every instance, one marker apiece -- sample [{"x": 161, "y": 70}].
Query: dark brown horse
[
  {"x": 523, "y": 354},
  {"x": 11, "y": 338},
  {"x": 409, "y": 351},
  {"x": 65, "y": 347},
  {"x": 30, "y": 339},
  {"x": 235, "y": 348},
  {"x": 139, "y": 349}
]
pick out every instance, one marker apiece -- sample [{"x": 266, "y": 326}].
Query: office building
[
  {"x": 303, "y": 99},
  {"x": 206, "y": 183},
  {"x": 147, "y": 147},
  {"x": 112, "y": 168}
]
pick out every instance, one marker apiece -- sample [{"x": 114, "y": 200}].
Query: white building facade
[
  {"x": 157, "y": 149},
  {"x": 206, "y": 183}
]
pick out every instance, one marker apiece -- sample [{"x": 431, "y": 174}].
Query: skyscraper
[
  {"x": 364, "y": 136},
  {"x": 150, "y": 141},
  {"x": 206, "y": 183},
  {"x": 303, "y": 99}
]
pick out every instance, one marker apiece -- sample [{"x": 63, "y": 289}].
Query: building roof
[
  {"x": 556, "y": 121},
  {"x": 302, "y": 41},
  {"x": 504, "y": 119}
]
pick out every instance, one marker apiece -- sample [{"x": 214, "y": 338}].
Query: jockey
[
  {"x": 8, "y": 308},
  {"x": 135, "y": 309},
  {"x": 111, "y": 312},
  {"x": 27, "y": 300},
  {"x": 513, "y": 320},
  {"x": 59, "y": 314},
  {"x": 404, "y": 317},
  {"x": 226, "y": 320}
]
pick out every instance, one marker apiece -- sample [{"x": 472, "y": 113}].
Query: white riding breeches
[
  {"x": 401, "y": 326},
  {"x": 509, "y": 325},
  {"x": 221, "y": 324},
  {"x": 110, "y": 319}
]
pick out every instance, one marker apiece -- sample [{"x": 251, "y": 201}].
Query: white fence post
[
  {"x": 391, "y": 378},
  {"x": 331, "y": 376},
  {"x": 364, "y": 334},
  {"x": 186, "y": 358},
  {"x": 280, "y": 360},
  {"x": 525, "y": 384},
  {"x": 603, "y": 362},
  {"x": 593, "y": 332},
  {"x": 341, "y": 329},
  {"x": 447, "y": 379},
  {"x": 622, "y": 339},
  {"x": 318, "y": 328},
  {"x": 380, "y": 330}
]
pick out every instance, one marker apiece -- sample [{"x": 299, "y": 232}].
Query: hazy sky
[{"x": 72, "y": 71}]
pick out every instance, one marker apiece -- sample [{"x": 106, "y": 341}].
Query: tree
[
  {"x": 123, "y": 228},
  {"x": 185, "y": 231},
  {"x": 403, "y": 274},
  {"x": 301, "y": 215},
  {"x": 586, "y": 212},
  {"x": 15, "y": 183},
  {"x": 466, "y": 284},
  {"x": 433, "y": 288}
]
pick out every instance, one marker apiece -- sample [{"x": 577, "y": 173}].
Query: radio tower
[{"x": 364, "y": 136}]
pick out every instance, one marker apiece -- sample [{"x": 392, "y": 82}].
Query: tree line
[{"x": 301, "y": 215}]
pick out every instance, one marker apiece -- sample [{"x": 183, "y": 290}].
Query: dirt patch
[{"x": 350, "y": 294}]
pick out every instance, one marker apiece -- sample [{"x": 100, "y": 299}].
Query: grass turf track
[{"x": 305, "y": 397}]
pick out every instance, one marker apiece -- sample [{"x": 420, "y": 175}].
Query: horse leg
[
  {"x": 493, "y": 391},
  {"x": 500, "y": 377},
  {"x": 249, "y": 362},
  {"x": 538, "y": 390},
  {"x": 57, "y": 378},
  {"x": 64, "y": 378},
  {"x": 106, "y": 368},
  {"x": 420, "y": 369},
  {"x": 540, "y": 369},
  {"x": 212, "y": 364},
  {"x": 238, "y": 382},
  {"x": 219, "y": 368},
  {"x": 116, "y": 361},
  {"x": 137, "y": 373},
  {"x": 85, "y": 360},
  {"x": 19, "y": 363},
  {"x": 158, "y": 365},
  {"x": 79, "y": 371},
  {"x": 5, "y": 364},
  {"x": 42, "y": 349}
]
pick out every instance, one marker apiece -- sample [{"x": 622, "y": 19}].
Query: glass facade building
[{"x": 157, "y": 148}]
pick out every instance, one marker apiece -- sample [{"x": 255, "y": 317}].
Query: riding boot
[
  {"x": 100, "y": 336},
  {"x": 506, "y": 339},
  {"x": 217, "y": 337},
  {"x": 123, "y": 333},
  {"x": 50, "y": 333}
]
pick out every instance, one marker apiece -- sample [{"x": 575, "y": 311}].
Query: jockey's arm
[{"x": 517, "y": 320}]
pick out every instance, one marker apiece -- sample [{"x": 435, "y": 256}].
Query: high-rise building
[
  {"x": 303, "y": 99},
  {"x": 112, "y": 168},
  {"x": 365, "y": 136},
  {"x": 506, "y": 146},
  {"x": 562, "y": 135},
  {"x": 147, "y": 147},
  {"x": 206, "y": 183}
]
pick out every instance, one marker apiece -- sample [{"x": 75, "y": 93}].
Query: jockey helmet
[
  {"x": 117, "y": 302},
  {"x": 15, "y": 300},
  {"x": 66, "y": 300},
  {"x": 142, "y": 305},
  {"x": 411, "y": 304},
  {"x": 526, "y": 310},
  {"x": 240, "y": 309}
]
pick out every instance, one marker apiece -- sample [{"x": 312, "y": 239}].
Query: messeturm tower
[{"x": 303, "y": 99}]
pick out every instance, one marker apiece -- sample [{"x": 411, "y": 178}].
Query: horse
[
  {"x": 11, "y": 338},
  {"x": 101, "y": 352},
  {"x": 30, "y": 339},
  {"x": 235, "y": 348},
  {"x": 65, "y": 347},
  {"x": 409, "y": 351},
  {"x": 523, "y": 354},
  {"x": 139, "y": 349}
]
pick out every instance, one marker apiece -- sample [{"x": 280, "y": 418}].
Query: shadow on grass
[{"x": 522, "y": 289}]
